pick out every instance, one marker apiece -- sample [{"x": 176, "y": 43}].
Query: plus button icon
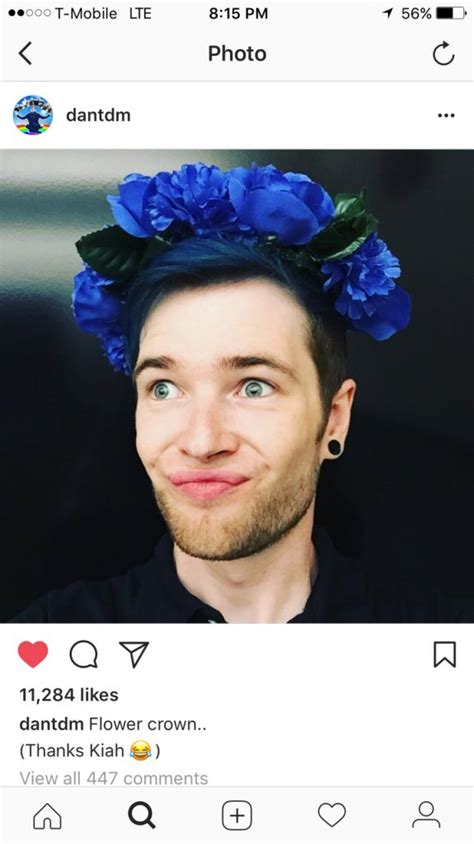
[{"x": 237, "y": 814}]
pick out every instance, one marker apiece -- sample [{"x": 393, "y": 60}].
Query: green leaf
[
  {"x": 300, "y": 257},
  {"x": 112, "y": 252},
  {"x": 117, "y": 255},
  {"x": 342, "y": 237},
  {"x": 348, "y": 230},
  {"x": 350, "y": 204},
  {"x": 155, "y": 246},
  {"x": 296, "y": 254}
]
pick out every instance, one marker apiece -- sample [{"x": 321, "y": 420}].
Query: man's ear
[{"x": 339, "y": 419}]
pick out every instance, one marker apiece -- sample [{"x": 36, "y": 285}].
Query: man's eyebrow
[
  {"x": 228, "y": 362},
  {"x": 246, "y": 361},
  {"x": 161, "y": 362}
]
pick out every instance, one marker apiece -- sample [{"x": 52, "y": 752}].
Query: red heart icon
[{"x": 33, "y": 652}]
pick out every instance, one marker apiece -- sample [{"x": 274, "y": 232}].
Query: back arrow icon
[
  {"x": 442, "y": 47},
  {"x": 22, "y": 51}
]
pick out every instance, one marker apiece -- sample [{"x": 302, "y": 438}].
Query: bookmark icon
[{"x": 445, "y": 652}]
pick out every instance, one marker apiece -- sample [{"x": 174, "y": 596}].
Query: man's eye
[
  {"x": 254, "y": 389},
  {"x": 164, "y": 390}
]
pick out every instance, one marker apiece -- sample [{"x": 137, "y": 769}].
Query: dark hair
[{"x": 199, "y": 262}]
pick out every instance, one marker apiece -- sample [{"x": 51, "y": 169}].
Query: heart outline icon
[
  {"x": 333, "y": 817},
  {"x": 33, "y": 652}
]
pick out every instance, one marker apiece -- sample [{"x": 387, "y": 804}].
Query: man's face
[{"x": 205, "y": 404}]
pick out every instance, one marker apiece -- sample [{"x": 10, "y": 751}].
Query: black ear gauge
[{"x": 334, "y": 447}]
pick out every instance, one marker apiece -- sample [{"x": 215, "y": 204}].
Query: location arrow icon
[
  {"x": 388, "y": 12},
  {"x": 22, "y": 52},
  {"x": 136, "y": 650}
]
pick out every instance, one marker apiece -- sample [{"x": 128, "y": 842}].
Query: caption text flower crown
[{"x": 287, "y": 212}]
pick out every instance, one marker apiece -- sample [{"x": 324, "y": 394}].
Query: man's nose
[{"x": 207, "y": 430}]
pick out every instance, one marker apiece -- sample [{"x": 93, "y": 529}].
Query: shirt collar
[{"x": 338, "y": 594}]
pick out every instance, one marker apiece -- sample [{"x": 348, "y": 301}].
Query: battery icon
[{"x": 456, "y": 13}]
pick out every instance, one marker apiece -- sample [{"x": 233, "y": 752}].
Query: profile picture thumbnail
[{"x": 33, "y": 115}]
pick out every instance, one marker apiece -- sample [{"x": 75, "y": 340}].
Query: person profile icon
[
  {"x": 33, "y": 115},
  {"x": 426, "y": 809}
]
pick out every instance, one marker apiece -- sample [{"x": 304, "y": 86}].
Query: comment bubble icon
[{"x": 83, "y": 654}]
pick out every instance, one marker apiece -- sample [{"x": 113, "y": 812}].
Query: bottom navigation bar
[{"x": 210, "y": 813}]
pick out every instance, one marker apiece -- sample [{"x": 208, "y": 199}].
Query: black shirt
[{"x": 152, "y": 592}]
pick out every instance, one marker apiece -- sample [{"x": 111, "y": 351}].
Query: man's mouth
[{"x": 206, "y": 485}]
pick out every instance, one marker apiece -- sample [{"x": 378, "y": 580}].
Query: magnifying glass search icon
[{"x": 138, "y": 818}]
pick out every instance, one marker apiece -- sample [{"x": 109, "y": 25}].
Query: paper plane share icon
[{"x": 136, "y": 650}]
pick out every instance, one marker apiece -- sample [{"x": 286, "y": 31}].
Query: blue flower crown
[{"x": 283, "y": 212}]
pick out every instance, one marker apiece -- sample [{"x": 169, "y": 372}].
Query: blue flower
[
  {"x": 114, "y": 346},
  {"x": 368, "y": 296},
  {"x": 209, "y": 202},
  {"x": 195, "y": 196},
  {"x": 287, "y": 205},
  {"x": 100, "y": 312},
  {"x": 130, "y": 207},
  {"x": 94, "y": 308},
  {"x": 241, "y": 204}
]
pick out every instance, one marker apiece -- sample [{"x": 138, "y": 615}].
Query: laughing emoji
[{"x": 140, "y": 750}]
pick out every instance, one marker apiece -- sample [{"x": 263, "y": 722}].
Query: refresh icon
[{"x": 436, "y": 54}]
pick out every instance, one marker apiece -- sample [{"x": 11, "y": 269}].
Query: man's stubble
[{"x": 271, "y": 515}]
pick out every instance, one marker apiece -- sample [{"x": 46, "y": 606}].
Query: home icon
[{"x": 47, "y": 817}]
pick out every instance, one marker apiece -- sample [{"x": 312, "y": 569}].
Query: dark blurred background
[{"x": 75, "y": 500}]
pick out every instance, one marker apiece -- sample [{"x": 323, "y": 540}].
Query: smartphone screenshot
[{"x": 236, "y": 428}]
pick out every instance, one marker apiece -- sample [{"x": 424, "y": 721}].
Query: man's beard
[{"x": 271, "y": 515}]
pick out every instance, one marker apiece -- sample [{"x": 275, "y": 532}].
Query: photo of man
[{"x": 226, "y": 296}]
